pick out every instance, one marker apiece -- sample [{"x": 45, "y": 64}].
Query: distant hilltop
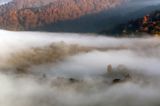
[{"x": 28, "y": 14}]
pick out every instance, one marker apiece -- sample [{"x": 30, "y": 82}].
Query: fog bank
[{"x": 63, "y": 69}]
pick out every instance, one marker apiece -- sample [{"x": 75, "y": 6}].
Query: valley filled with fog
[
  {"x": 63, "y": 69},
  {"x": 53, "y": 53}
]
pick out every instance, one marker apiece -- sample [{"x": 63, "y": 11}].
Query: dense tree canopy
[{"x": 26, "y": 14}]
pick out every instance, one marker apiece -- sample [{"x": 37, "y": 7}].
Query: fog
[
  {"x": 63, "y": 69},
  {"x": 139, "y": 6},
  {"x": 144, "y": 2},
  {"x": 4, "y": 1}
]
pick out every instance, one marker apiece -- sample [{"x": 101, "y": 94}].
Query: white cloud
[{"x": 140, "y": 56}]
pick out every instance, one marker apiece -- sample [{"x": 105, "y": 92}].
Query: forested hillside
[
  {"x": 149, "y": 24},
  {"x": 27, "y": 14}
]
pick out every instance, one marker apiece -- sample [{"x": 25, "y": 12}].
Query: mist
[
  {"x": 144, "y": 2},
  {"x": 63, "y": 69},
  {"x": 4, "y": 1}
]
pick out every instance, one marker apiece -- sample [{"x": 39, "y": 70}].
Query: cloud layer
[{"x": 79, "y": 77}]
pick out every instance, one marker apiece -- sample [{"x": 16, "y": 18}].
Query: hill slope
[
  {"x": 95, "y": 23},
  {"x": 149, "y": 24},
  {"x": 28, "y": 14}
]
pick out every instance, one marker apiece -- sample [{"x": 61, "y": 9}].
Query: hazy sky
[
  {"x": 4, "y": 1},
  {"x": 144, "y": 2}
]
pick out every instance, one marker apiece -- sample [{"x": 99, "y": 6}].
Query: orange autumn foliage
[{"x": 27, "y": 14}]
